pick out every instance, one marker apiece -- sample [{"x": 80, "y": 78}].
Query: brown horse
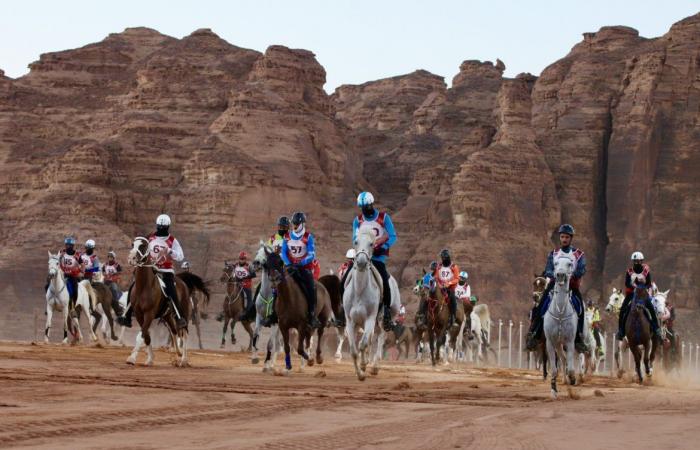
[
  {"x": 438, "y": 318},
  {"x": 332, "y": 285},
  {"x": 103, "y": 298},
  {"x": 540, "y": 352},
  {"x": 150, "y": 303},
  {"x": 199, "y": 303},
  {"x": 638, "y": 335},
  {"x": 402, "y": 337},
  {"x": 291, "y": 309},
  {"x": 234, "y": 304}
]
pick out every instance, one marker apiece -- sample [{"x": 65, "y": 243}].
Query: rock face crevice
[{"x": 97, "y": 141}]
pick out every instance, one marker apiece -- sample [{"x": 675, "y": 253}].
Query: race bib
[
  {"x": 461, "y": 291},
  {"x": 110, "y": 270},
  {"x": 445, "y": 274},
  {"x": 297, "y": 249},
  {"x": 158, "y": 250},
  {"x": 241, "y": 272},
  {"x": 69, "y": 261}
]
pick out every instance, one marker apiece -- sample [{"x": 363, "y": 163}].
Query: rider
[
  {"x": 298, "y": 253},
  {"x": 276, "y": 239},
  {"x": 383, "y": 228},
  {"x": 637, "y": 275},
  {"x": 423, "y": 305},
  {"x": 402, "y": 315},
  {"x": 566, "y": 235},
  {"x": 447, "y": 276},
  {"x": 89, "y": 260},
  {"x": 243, "y": 272},
  {"x": 344, "y": 269},
  {"x": 463, "y": 291},
  {"x": 71, "y": 267},
  {"x": 112, "y": 270},
  {"x": 595, "y": 323},
  {"x": 163, "y": 249}
]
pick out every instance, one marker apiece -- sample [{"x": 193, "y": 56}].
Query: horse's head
[
  {"x": 273, "y": 266},
  {"x": 139, "y": 252},
  {"x": 227, "y": 272},
  {"x": 418, "y": 286},
  {"x": 641, "y": 294},
  {"x": 615, "y": 301},
  {"x": 54, "y": 265},
  {"x": 428, "y": 284},
  {"x": 563, "y": 268},
  {"x": 261, "y": 255},
  {"x": 364, "y": 245}
]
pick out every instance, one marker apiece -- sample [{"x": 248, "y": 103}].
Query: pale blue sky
[{"x": 356, "y": 41}]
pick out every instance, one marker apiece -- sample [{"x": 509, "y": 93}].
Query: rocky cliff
[{"x": 97, "y": 141}]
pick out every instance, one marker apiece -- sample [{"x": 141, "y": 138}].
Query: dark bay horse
[
  {"x": 638, "y": 335},
  {"x": 332, "y": 284},
  {"x": 438, "y": 317},
  {"x": 196, "y": 285},
  {"x": 291, "y": 309},
  {"x": 149, "y": 303},
  {"x": 234, "y": 304}
]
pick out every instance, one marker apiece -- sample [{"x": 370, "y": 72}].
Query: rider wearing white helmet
[
  {"x": 344, "y": 269},
  {"x": 637, "y": 275},
  {"x": 566, "y": 236},
  {"x": 463, "y": 291},
  {"x": 89, "y": 260},
  {"x": 383, "y": 227},
  {"x": 164, "y": 249}
]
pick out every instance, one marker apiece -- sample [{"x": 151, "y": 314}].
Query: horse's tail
[
  {"x": 92, "y": 295},
  {"x": 195, "y": 283}
]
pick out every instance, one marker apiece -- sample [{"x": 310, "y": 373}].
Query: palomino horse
[
  {"x": 150, "y": 303},
  {"x": 58, "y": 299},
  {"x": 438, "y": 317},
  {"x": 638, "y": 336},
  {"x": 234, "y": 305},
  {"x": 102, "y": 305},
  {"x": 291, "y": 309},
  {"x": 560, "y": 322}
]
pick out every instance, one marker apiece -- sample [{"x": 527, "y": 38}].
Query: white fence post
[
  {"x": 500, "y": 326},
  {"x": 605, "y": 350},
  {"x": 520, "y": 345},
  {"x": 510, "y": 341},
  {"x": 683, "y": 361},
  {"x": 697, "y": 350}
]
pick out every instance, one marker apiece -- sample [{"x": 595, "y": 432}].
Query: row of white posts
[{"x": 690, "y": 352}]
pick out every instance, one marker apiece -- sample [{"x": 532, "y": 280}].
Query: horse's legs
[
  {"x": 551, "y": 356},
  {"x": 381, "y": 338},
  {"x": 637, "y": 361},
  {"x": 254, "y": 358},
  {"x": 233, "y": 334},
  {"x": 182, "y": 338},
  {"x": 249, "y": 330},
  {"x": 352, "y": 345},
  {"x": 340, "y": 333},
  {"x": 49, "y": 316},
  {"x": 147, "y": 339},
  {"x": 196, "y": 322},
  {"x": 366, "y": 341},
  {"x": 571, "y": 367},
  {"x": 618, "y": 350},
  {"x": 319, "y": 347},
  {"x": 223, "y": 333},
  {"x": 287, "y": 349},
  {"x": 135, "y": 352}
]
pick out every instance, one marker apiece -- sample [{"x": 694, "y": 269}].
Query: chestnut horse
[
  {"x": 150, "y": 303},
  {"x": 234, "y": 305},
  {"x": 638, "y": 335},
  {"x": 438, "y": 317}
]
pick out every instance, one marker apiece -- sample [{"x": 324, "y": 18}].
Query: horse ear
[
  {"x": 50, "y": 254},
  {"x": 423, "y": 270},
  {"x": 666, "y": 292}
]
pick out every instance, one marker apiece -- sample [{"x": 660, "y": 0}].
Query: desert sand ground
[{"x": 57, "y": 396}]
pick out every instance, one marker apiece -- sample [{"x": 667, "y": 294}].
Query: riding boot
[
  {"x": 579, "y": 343},
  {"x": 312, "y": 319},
  {"x": 453, "y": 309}
]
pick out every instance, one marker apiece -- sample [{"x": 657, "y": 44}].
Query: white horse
[
  {"x": 560, "y": 322},
  {"x": 591, "y": 360},
  {"x": 57, "y": 299},
  {"x": 615, "y": 302},
  {"x": 263, "y": 306},
  {"x": 361, "y": 299}
]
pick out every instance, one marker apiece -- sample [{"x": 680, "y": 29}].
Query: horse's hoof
[
  {"x": 361, "y": 377},
  {"x": 374, "y": 371},
  {"x": 254, "y": 360},
  {"x": 319, "y": 359},
  {"x": 148, "y": 363},
  {"x": 554, "y": 394},
  {"x": 619, "y": 373},
  {"x": 310, "y": 362},
  {"x": 131, "y": 361}
]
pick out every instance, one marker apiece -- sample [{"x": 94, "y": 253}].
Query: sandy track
[{"x": 54, "y": 396}]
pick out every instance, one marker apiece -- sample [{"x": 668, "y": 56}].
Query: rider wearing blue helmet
[
  {"x": 566, "y": 235},
  {"x": 383, "y": 229}
]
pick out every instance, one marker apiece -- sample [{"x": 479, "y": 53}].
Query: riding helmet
[
  {"x": 444, "y": 253},
  {"x": 243, "y": 256},
  {"x": 283, "y": 221},
  {"x": 89, "y": 243},
  {"x": 567, "y": 229},
  {"x": 69, "y": 240},
  {"x": 350, "y": 254},
  {"x": 298, "y": 217},
  {"x": 365, "y": 199},
  {"x": 637, "y": 256},
  {"x": 163, "y": 220}
]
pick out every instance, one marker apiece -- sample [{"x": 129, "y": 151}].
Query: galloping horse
[
  {"x": 560, "y": 322},
  {"x": 196, "y": 285},
  {"x": 438, "y": 317},
  {"x": 291, "y": 308},
  {"x": 102, "y": 305},
  {"x": 234, "y": 304},
  {"x": 149, "y": 303},
  {"x": 58, "y": 299},
  {"x": 638, "y": 334}
]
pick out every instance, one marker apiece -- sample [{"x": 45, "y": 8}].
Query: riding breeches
[
  {"x": 305, "y": 278},
  {"x": 386, "y": 292},
  {"x": 72, "y": 286},
  {"x": 116, "y": 293}
]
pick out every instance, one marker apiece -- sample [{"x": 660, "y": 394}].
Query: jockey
[
  {"x": 637, "y": 275},
  {"x": 243, "y": 273},
  {"x": 402, "y": 315},
  {"x": 566, "y": 235},
  {"x": 447, "y": 276},
  {"x": 276, "y": 239},
  {"x": 595, "y": 322},
  {"x": 298, "y": 253},
  {"x": 163, "y": 249},
  {"x": 112, "y": 270},
  {"x": 383, "y": 228},
  {"x": 89, "y": 260},
  {"x": 423, "y": 305},
  {"x": 463, "y": 291},
  {"x": 71, "y": 267},
  {"x": 344, "y": 269}
]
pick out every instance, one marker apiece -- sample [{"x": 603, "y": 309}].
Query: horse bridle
[{"x": 142, "y": 256}]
